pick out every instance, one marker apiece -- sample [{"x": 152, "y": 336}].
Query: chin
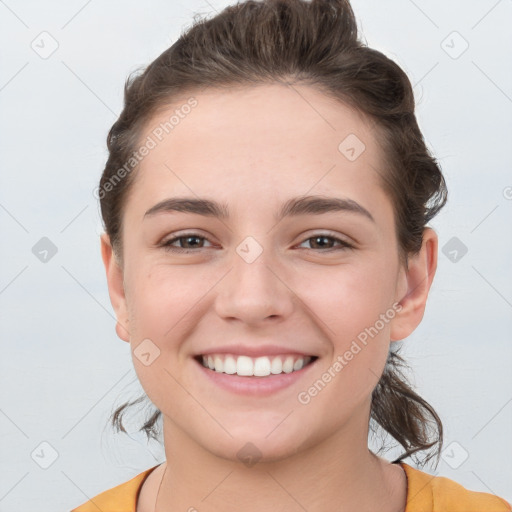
[{"x": 257, "y": 441}]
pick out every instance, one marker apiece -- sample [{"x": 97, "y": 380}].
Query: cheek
[
  {"x": 346, "y": 298},
  {"x": 355, "y": 306},
  {"x": 165, "y": 303},
  {"x": 164, "y": 299},
  {"x": 351, "y": 297}
]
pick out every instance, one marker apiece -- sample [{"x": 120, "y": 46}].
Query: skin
[{"x": 253, "y": 149}]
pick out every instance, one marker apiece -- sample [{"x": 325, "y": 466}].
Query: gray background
[{"x": 63, "y": 368}]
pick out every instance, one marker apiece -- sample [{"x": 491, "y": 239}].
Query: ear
[
  {"x": 413, "y": 286},
  {"x": 115, "y": 287}
]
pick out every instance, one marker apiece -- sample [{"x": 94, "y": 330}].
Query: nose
[{"x": 254, "y": 292}]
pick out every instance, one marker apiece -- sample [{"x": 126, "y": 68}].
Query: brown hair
[{"x": 314, "y": 43}]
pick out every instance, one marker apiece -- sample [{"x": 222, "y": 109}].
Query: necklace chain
[
  {"x": 402, "y": 509},
  {"x": 159, "y": 487}
]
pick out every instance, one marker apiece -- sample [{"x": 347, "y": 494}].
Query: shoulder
[
  {"x": 122, "y": 498},
  {"x": 427, "y": 493}
]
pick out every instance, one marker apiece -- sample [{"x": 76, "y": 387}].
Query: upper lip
[{"x": 253, "y": 350}]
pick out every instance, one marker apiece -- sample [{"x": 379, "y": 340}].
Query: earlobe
[
  {"x": 413, "y": 287},
  {"x": 115, "y": 284}
]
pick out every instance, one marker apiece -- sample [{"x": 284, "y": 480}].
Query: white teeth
[
  {"x": 244, "y": 366},
  {"x": 262, "y": 367},
  {"x": 230, "y": 365},
  {"x": 288, "y": 365},
  {"x": 219, "y": 364},
  {"x": 276, "y": 366},
  {"x": 258, "y": 367}
]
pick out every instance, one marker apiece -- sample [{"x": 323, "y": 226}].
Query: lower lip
[{"x": 255, "y": 386}]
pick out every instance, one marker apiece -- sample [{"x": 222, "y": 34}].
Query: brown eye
[
  {"x": 326, "y": 242},
  {"x": 188, "y": 243},
  {"x": 191, "y": 242}
]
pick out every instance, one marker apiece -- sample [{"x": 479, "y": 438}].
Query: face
[{"x": 274, "y": 274}]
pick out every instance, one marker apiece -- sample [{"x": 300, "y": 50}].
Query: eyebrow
[{"x": 305, "y": 205}]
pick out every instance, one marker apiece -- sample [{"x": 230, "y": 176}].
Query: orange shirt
[{"x": 425, "y": 493}]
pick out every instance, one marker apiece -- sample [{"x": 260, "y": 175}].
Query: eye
[
  {"x": 325, "y": 241},
  {"x": 189, "y": 242}
]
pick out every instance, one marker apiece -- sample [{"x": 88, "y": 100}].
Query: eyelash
[{"x": 168, "y": 247}]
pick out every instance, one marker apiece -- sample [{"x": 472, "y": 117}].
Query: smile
[{"x": 262, "y": 366}]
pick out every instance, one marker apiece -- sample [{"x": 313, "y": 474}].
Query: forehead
[{"x": 266, "y": 140}]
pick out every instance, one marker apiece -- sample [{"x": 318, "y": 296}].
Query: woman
[{"x": 266, "y": 202}]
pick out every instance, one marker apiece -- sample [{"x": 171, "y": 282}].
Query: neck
[{"x": 339, "y": 473}]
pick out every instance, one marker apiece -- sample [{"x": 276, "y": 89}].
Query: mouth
[{"x": 246, "y": 366}]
